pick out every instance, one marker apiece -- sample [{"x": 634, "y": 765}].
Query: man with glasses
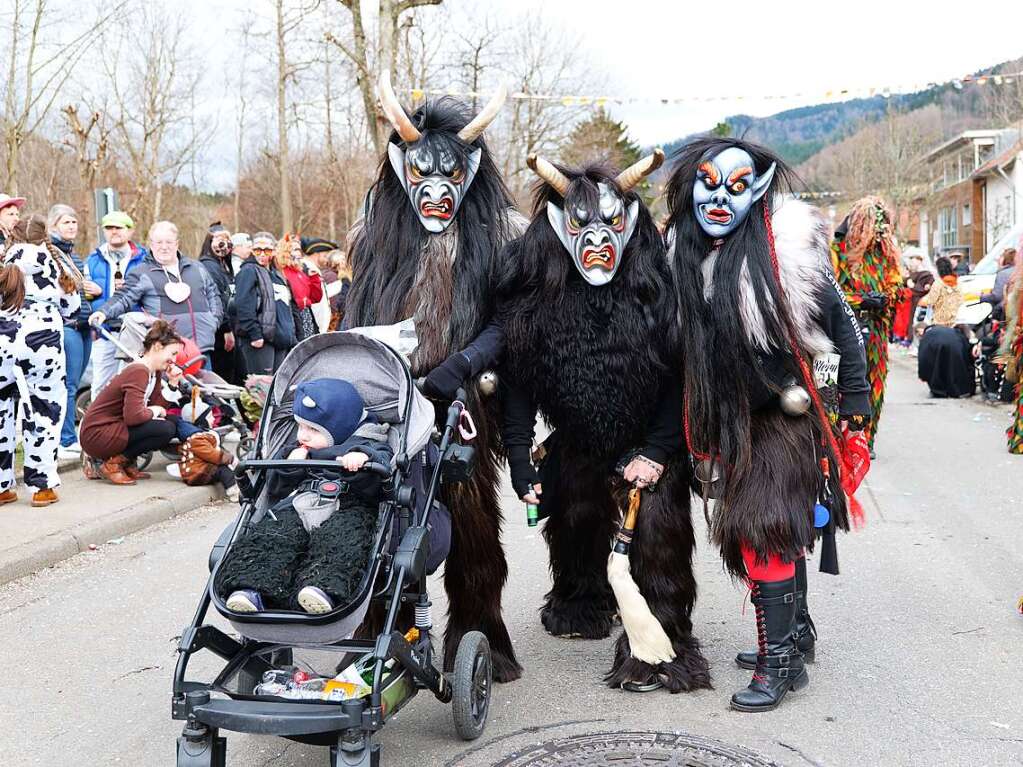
[
  {"x": 108, "y": 266},
  {"x": 170, "y": 286}
]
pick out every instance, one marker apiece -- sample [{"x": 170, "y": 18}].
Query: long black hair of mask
[
  {"x": 385, "y": 255},
  {"x": 722, "y": 367},
  {"x": 536, "y": 269}
]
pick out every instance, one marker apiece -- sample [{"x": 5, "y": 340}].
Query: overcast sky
[
  {"x": 676, "y": 49},
  {"x": 673, "y": 49}
]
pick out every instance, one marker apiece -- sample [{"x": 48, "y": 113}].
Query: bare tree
[
  {"x": 370, "y": 60},
  {"x": 152, "y": 92},
  {"x": 289, "y": 20},
  {"x": 244, "y": 64},
  {"x": 41, "y": 57},
  {"x": 90, "y": 141},
  {"x": 543, "y": 61}
]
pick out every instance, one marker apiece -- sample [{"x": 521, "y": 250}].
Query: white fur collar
[{"x": 802, "y": 241}]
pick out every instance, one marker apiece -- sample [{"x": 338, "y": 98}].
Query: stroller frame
[{"x": 348, "y": 727}]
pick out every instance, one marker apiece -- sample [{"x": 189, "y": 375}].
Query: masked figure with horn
[
  {"x": 766, "y": 335},
  {"x": 434, "y": 222},
  {"x": 586, "y": 304}
]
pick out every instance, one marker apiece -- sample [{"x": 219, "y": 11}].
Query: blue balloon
[{"x": 821, "y": 515}]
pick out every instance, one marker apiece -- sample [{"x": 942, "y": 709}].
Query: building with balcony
[{"x": 976, "y": 192}]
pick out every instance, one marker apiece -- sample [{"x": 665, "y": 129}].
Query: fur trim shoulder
[{"x": 802, "y": 240}]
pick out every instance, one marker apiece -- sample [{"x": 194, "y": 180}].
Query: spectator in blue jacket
[
  {"x": 108, "y": 266},
  {"x": 62, "y": 223}
]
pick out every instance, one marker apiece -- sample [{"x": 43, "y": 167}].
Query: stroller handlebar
[{"x": 284, "y": 463}]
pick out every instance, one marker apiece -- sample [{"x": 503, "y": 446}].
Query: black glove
[
  {"x": 873, "y": 301},
  {"x": 523, "y": 475},
  {"x": 444, "y": 380}
]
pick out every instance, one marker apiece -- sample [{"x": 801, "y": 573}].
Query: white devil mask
[
  {"x": 435, "y": 168},
  {"x": 725, "y": 189},
  {"x": 595, "y": 231},
  {"x": 595, "y": 236},
  {"x": 435, "y": 175}
]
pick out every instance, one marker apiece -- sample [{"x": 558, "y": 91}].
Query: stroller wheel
[
  {"x": 471, "y": 682},
  {"x": 144, "y": 460},
  {"x": 246, "y": 446}
]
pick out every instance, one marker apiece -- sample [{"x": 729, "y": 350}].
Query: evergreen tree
[{"x": 601, "y": 139}]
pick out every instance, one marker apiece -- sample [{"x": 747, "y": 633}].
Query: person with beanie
[{"x": 312, "y": 548}]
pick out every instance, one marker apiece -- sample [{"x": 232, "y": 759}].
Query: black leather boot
[
  {"x": 806, "y": 632},
  {"x": 779, "y": 665}
]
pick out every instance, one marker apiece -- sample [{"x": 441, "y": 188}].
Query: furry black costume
[
  {"x": 757, "y": 305},
  {"x": 593, "y": 359},
  {"x": 444, "y": 280}
]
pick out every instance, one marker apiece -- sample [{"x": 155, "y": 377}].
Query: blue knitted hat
[{"x": 331, "y": 406}]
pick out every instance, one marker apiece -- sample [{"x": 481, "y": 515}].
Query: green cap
[{"x": 117, "y": 218}]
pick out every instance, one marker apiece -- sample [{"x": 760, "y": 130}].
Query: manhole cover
[{"x": 635, "y": 749}]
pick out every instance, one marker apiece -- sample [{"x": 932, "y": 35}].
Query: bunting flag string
[{"x": 834, "y": 94}]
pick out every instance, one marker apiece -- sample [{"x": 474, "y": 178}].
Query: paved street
[{"x": 920, "y": 660}]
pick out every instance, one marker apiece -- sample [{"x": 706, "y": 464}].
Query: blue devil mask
[{"x": 725, "y": 189}]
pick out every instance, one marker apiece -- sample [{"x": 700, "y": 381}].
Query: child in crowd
[{"x": 312, "y": 546}]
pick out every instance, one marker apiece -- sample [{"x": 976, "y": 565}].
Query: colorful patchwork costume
[{"x": 866, "y": 262}]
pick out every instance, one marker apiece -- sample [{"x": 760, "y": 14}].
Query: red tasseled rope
[{"x": 855, "y": 509}]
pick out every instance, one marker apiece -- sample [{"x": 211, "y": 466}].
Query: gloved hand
[
  {"x": 444, "y": 380},
  {"x": 873, "y": 301},
  {"x": 523, "y": 474}
]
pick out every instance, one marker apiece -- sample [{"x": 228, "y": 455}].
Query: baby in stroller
[{"x": 312, "y": 547}]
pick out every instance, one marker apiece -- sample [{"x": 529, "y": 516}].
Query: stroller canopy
[{"x": 379, "y": 373}]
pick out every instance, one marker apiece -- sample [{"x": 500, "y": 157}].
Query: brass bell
[
  {"x": 487, "y": 383},
  {"x": 711, "y": 476},
  {"x": 795, "y": 400}
]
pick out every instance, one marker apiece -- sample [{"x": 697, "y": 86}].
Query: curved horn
[
  {"x": 636, "y": 172},
  {"x": 548, "y": 173},
  {"x": 479, "y": 123},
  {"x": 394, "y": 111}
]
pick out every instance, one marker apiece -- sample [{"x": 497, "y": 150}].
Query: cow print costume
[{"x": 32, "y": 368}]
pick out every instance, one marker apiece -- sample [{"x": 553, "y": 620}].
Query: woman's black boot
[
  {"x": 779, "y": 665},
  {"x": 806, "y": 632}
]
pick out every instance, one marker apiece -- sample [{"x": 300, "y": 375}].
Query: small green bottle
[{"x": 532, "y": 514}]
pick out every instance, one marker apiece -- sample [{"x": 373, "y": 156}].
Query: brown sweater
[{"x": 121, "y": 404}]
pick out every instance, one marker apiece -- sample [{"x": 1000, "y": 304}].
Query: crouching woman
[{"x": 129, "y": 417}]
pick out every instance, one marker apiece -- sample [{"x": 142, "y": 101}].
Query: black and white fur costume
[
  {"x": 771, "y": 489},
  {"x": 32, "y": 368},
  {"x": 595, "y": 362}
]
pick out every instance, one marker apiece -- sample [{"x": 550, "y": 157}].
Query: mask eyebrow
[
  {"x": 738, "y": 173},
  {"x": 711, "y": 171}
]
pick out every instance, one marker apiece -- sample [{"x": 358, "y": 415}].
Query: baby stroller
[{"x": 397, "y": 665}]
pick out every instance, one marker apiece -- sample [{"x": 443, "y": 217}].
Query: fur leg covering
[
  {"x": 770, "y": 508},
  {"x": 476, "y": 568},
  {"x": 661, "y": 562},
  {"x": 581, "y": 523},
  {"x": 265, "y": 558},
  {"x": 339, "y": 551}
]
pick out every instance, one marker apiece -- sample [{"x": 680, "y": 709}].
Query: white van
[{"x": 981, "y": 278}]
